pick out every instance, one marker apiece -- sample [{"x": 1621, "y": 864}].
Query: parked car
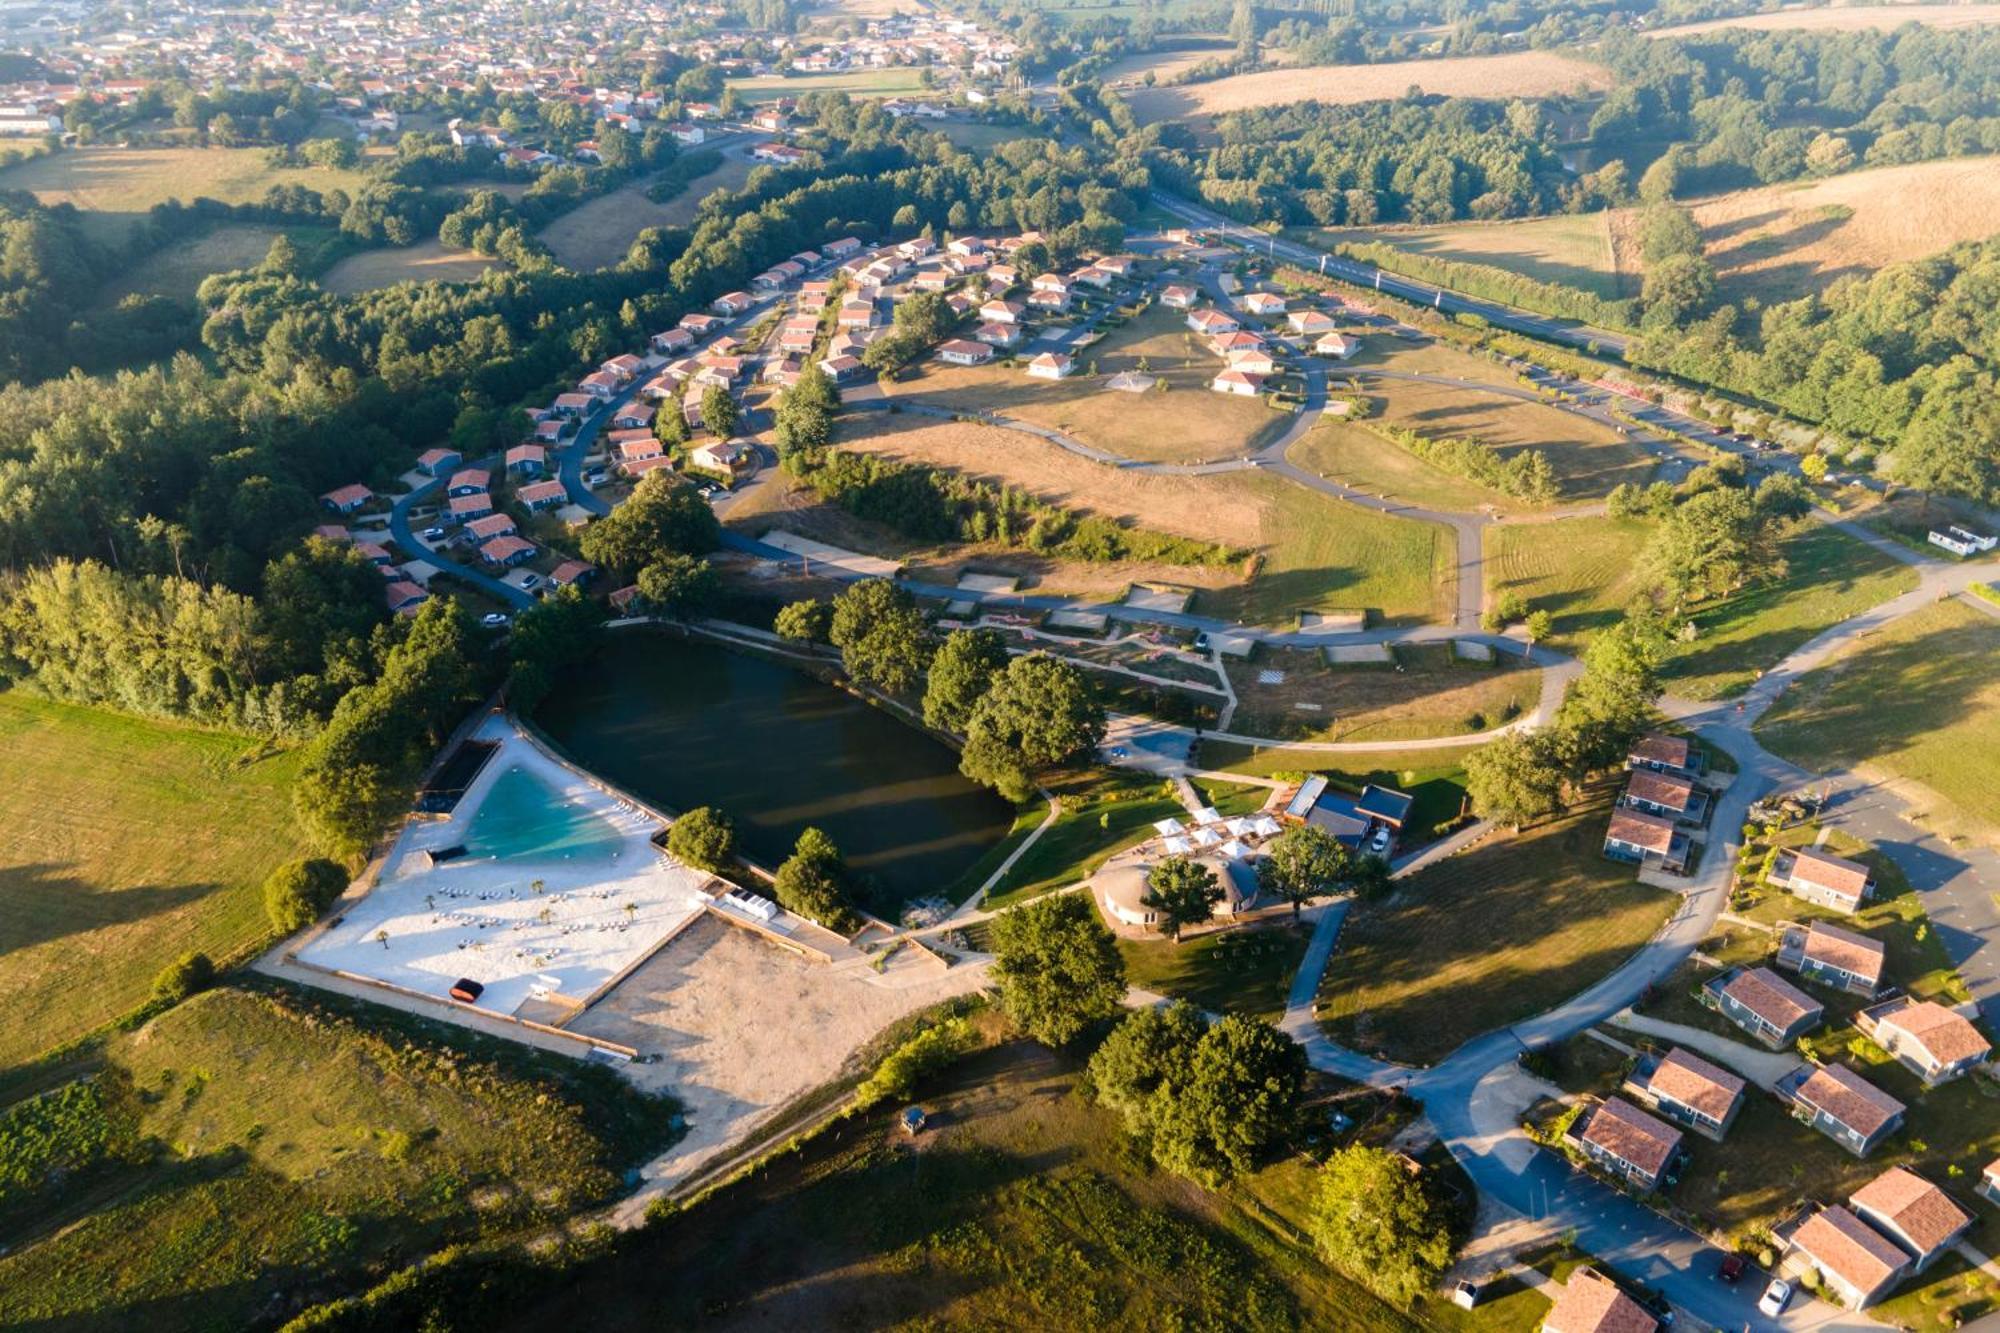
[
  {"x": 1772, "y": 1302},
  {"x": 1380, "y": 842},
  {"x": 1731, "y": 1268},
  {"x": 528, "y": 582},
  {"x": 433, "y": 534},
  {"x": 495, "y": 620}
]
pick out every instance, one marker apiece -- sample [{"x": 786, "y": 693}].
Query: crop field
[
  {"x": 255, "y": 1138},
  {"x": 598, "y": 233},
  {"x": 1162, "y": 65},
  {"x": 1780, "y": 242},
  {"x": 1915, "y": 701},
  {"x": 1829, "y": 577},
  {"x": 426, "y": 261},
  {"x": 1486, "y": 938},
  {"x": 1845, "y": 18},
  {"x": 1575, "y": 250},
  {"x": 1184, "y": 423},
  {"x": 114, "y": 187},
  {"x": 896, "y": 81},
  {"x": 1582, "y": 571},
  {"x": 1588, "y": 458},
  {"x": 128, "y": 844},
  {"x": 1518, "y": 74}
]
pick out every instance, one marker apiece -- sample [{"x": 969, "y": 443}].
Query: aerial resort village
[{"x": 813, "y": 664}]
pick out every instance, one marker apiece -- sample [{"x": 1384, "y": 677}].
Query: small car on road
[{"x": 1772, "y": 1302}]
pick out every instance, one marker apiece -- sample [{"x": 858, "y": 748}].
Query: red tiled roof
[
  {"x": 1640, "y": 830},
  {"x": 1632, "y": 1136},
  {"x": 1770, "y": 997},
  {"x": 1592, "y": 1303},
  {"x": 1835, "y": 874},
  {"x": 1946, "y": 1036},
  {"x": 1912, "y": 1205},
  {"x": 1848, "y": 1248},
  {"x": 1850, "y": 1099},
  {"x": 1694, "y": 1082},
  {"x": 1660, "y": 789},
  {"x": 1662, "y": 749},
  {"x": 1857, "y": 955}
]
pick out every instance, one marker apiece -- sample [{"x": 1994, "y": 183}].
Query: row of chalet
[{"x": 1663, "y": 799}]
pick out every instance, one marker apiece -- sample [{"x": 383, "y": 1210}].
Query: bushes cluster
[
  {"x": 298, "y": 891},
  {"x": 1525, "y": 473}
]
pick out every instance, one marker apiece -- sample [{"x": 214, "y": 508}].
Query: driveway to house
[{"x": 1764, "y": 1068}]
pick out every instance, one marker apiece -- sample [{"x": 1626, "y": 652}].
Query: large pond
[{"x": 685, "y": 723}]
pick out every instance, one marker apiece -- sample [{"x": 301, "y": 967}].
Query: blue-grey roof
[{"x": 1385, "y": 803}]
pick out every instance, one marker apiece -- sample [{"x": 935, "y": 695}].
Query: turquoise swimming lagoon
[{"x": 524, "y": 818}]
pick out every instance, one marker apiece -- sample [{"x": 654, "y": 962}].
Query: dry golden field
[
  {"x": 1782, "y": 241},
  {"x": 600, "y": 232},
  {"x": 1518, "y": 74},
  {"x": 1847, "y": 18},
  {"x": 426, "y": 261}
]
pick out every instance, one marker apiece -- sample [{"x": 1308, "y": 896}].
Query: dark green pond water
[{"x": 685, "y": 723}]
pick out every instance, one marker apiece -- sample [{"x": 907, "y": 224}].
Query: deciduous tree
[
  {"x": 1381, "y": 1223},
  {"x": 1184, "y": 893},
  {"x": 1059, "y": 969}
]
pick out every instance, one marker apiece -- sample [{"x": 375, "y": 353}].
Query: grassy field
[
  {"x": 1588, "y": 459},
  {"x": 1023, "y": 1206},
  {"x": 896, "y": 81},
  {"x": 1575, "y": 250},
  {"x": 598, "y": 233},
  {"x": 1915, "y": 701},
  {"x": 1829, "y": 576},
  {"x": 1435, "y": 777},
  {"x": 178, "y": 269},
  {"x": 978, "y": 137},
  {"x": 1582, "y": 571},
  {"x": 1187, "y": 423},
  {"x": 114, "y": 187},
  {"x": 1779, "y": 242},
  {"x": 129, "y": 843},
  {"x": 426, "y": 261},
  {"x": 1520, "y": 74},
  {"x": 1103, "y": 811},
  {"x": 272, "y": 1147},
  {"x": 1322, "y": 555},
  {"x": 1315, "y": 553},
  {"x": 1247, "y": 971},
  {"x": 1428, "y": 693},
  {"x": 1486, "y": 938}
]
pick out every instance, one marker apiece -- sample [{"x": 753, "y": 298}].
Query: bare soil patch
[{"x": 743, "y": 1027}]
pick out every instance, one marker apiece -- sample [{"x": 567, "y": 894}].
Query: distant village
[{"x": 371, "y": 61}]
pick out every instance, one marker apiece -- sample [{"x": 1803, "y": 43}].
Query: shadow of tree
[{"x": 40, "y": 903}]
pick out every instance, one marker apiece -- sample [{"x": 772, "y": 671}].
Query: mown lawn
[
  {"x": 1247, "y": 971},
  {"x": 1829, "y": 577},
  {"x": 1916, "y": 700},
  {"x": 266, "y": 1145},
  {"x": 1321, "y": 554},
  {"x": 128, "y": 844},
  {"x": 1582, "y": 571},
  {"x": 1103, "y": 811},
  {"x": 1435, "y": 777},
  {"x": 1488, "y": 937}
]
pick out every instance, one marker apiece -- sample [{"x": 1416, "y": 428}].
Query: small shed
[{"x": 913, "y": 1119}]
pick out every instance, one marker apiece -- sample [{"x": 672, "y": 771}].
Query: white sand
[{"x": 481, "y": 918}]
